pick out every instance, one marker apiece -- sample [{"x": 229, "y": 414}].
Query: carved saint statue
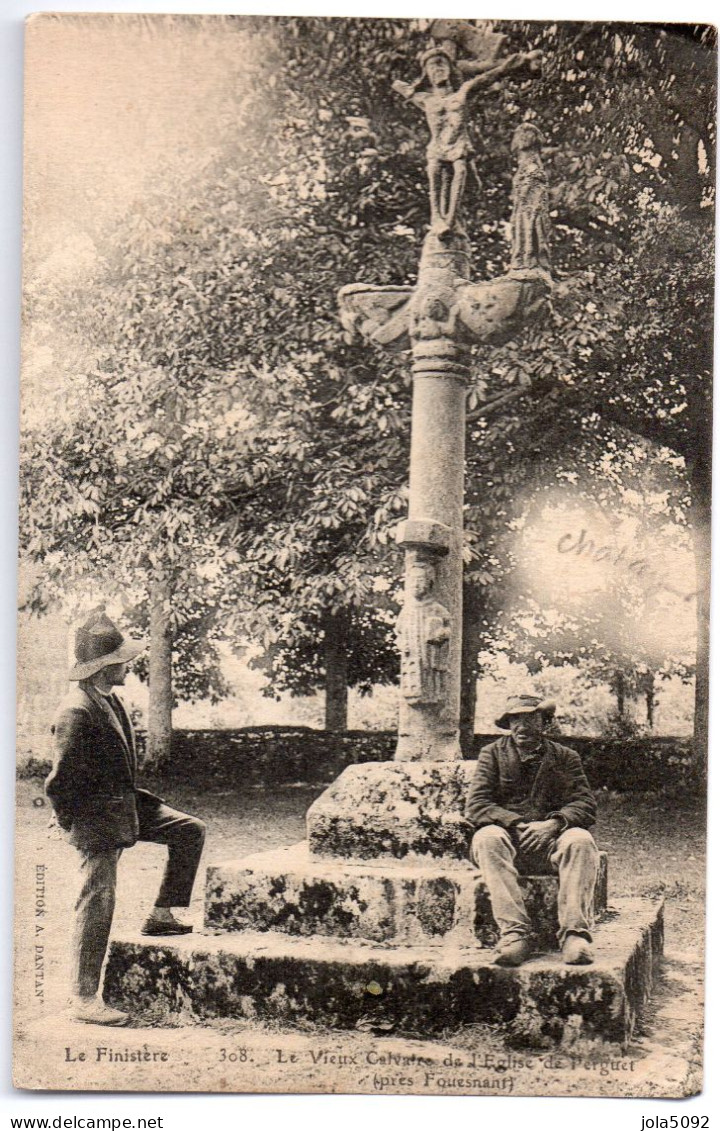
[
  {"x": 424, "y": 635},
  {"x": 445, "y": 107},
  {"x": 530, "y": 224}
]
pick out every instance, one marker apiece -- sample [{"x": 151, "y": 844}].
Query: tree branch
[
  {"x": 496, "y": 403},
  {"x": 649, "y": 428}
]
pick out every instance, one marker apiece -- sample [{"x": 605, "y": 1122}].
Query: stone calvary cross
[
  {"x": 378, "y": 921},
  {"x": 440, "y": 320}
]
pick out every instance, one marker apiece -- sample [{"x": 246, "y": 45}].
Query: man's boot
[
  {"x": 161, "y": 921},
  {"x": 577, "y": 950},
  {"x": 512, "y": 951},
  {"x": 94, "y": 1011}
]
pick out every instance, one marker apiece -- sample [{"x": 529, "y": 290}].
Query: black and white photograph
[{"x": 364, "y": 555}]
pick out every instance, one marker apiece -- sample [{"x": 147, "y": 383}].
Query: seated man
[{"x": 532, "y": 806}]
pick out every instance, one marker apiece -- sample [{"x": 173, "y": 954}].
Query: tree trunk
[
  {"x": 646, "y": 687},
  {"x": 473, "y": 611},
  {"x": 159, "y": 733},
  {"x": 700, "y": 486},
  {"x": 619, "y": 689},
  {"x": 650, "y": 699},
  {"x": 336, "y": 671}
]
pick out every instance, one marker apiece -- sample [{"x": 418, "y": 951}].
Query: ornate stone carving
[
  {"x": 477, "y": 41},
  {"x": 530, "y": 224},
  {"x": 424, "y": 635},
  {"x": 443, "y": 98},
  {"x": 469, "y": 313},
  {"x": 378, "y": 314},
  {"x": 440, "y": 319}
]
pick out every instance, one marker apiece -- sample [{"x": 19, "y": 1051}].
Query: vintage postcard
[{"x": 364, "y": 555}]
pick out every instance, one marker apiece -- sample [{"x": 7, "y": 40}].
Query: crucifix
[{"x": 439, "y": 321}]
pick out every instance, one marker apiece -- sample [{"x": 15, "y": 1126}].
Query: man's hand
[{"x": 537, "y": 835}]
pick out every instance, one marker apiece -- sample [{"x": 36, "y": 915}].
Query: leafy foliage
[{"x": 222, "y": 430}]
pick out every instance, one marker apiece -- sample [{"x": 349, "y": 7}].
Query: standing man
[
  {"x": 532, "y": 806},
  {"x": 96, "y": 802}
]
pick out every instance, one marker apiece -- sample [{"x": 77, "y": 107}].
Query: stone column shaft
[
  {"x": 437, "y": 460},
  {"x": 440, "y": 319}
]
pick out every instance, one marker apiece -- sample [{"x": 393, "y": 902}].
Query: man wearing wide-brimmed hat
[
  {"x": 97, "y": 804},
  {"x": 532, "y": 806}
]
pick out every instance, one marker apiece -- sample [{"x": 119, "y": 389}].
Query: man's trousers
[
  {"x": 573, "y": 856},
  {"x": 184, "y": 836}
]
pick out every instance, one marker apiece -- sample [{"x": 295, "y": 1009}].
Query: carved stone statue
[
  {"x": 440, "y": 319},
  {"x": 530, "y": 224},
  {"x": 445, "y": 107},
  {"x": 424, "y": 635}
]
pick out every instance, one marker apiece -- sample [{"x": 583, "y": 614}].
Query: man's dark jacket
[
  {"x": 554, "y": 786},
  {"x": 92, "y": 782}
]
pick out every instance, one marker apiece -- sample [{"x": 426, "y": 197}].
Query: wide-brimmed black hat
[
  {"x": 525, "y": 705},
  {"x": 100, "y": 643}
]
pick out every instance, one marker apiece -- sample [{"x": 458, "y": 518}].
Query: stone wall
[{"x": 274, "y": 755}]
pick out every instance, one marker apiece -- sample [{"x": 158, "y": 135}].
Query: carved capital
[
  {"x": 433, "y": 311},
  {"x": 441, "y": 358}
]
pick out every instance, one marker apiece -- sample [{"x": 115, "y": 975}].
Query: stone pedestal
[
  {"x": 393, "y": 810},
  {"x": 396, "y": 902},
  {"x": 413, "y": 990},
  {"x": 380, "y": 915}
]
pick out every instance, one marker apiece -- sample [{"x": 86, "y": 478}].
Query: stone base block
[
  {"x": 394, "y": 902},
  {"x": 393, "y": 809},
  {"x": 419, "y": 991}
]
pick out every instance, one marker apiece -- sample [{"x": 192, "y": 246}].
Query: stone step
[
  {"x": 391, "y": 901},
  {"x": 418, "y": 991},
  {"x": 393, "y": 810}
]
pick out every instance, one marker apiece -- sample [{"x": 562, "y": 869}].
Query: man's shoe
[
  {"x": 94, "y": 1011},
  {"x": 167, "y": 925},
  {"x": 577, "y": 951},
  {"x": 512, "y": 952}
]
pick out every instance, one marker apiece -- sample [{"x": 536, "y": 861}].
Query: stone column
[
  {"x": 434, "y": 531},
  {"x": 440, "y": 319}
]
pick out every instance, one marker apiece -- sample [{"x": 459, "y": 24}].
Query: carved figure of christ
[{"x": 446, "y": 111}]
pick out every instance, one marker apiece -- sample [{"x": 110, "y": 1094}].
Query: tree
[
  {"x": 617, "y": 352},
  {"x": 659, "y": 386},
  {"x": 299, "y": 496},
  {"x": 106, "y": 515},
  {"x": 599, "y": 210},
  {"x": 154, "y": 320},
  {"x": 628, "y": 225}
]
